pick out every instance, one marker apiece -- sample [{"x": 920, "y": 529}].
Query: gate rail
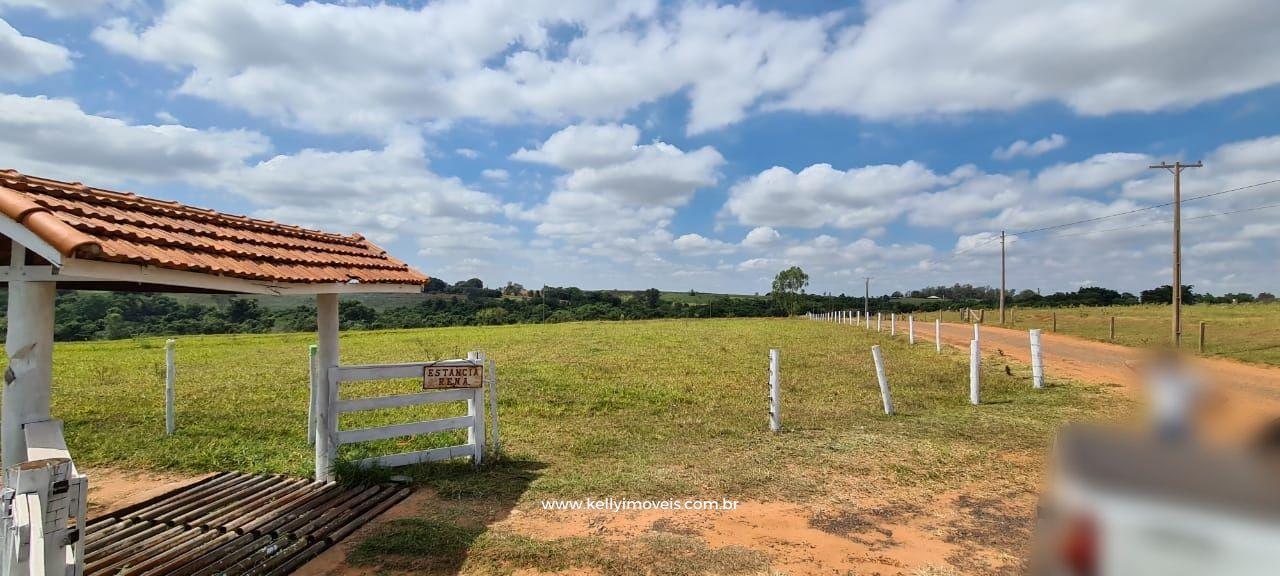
[{"x": 473, "y": 421}]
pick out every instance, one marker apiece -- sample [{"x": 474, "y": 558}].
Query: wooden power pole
[
  {"x": 1002, "y": 277},
  {"x": 1176, "y": 170}
]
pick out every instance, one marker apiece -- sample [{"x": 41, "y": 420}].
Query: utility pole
[
  {"x": 866, "y": 297},
  {"x": 1002, "y": 277},
  {"x": 1176, "y": 170}
]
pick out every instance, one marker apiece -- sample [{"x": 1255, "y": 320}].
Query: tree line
[{"x": 83, "y": 315}]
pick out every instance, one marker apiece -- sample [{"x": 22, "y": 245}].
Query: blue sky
[{"x": 681, "y": 145}]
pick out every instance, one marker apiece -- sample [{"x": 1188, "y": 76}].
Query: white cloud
[
  {"x": 761, "y": 236},
  {"x": 824, "y": 196},
  {"x": 1098, "y": 171},
  {"x": 584, "y": 146},
  {"x": 1030, "y": 149},
  {"x": 304, "y": 64},
  {"x": 67, "y": 8},
  {"x": 495, "y": 175},
  {"x": 467, "y": 153},
  {"x": 23, "y": 57},
  {"x": 964, "y": 205},
  {"x": 625, "y": 187},
  {"x": 55, "y": 138},
  {"x": 931, "y": 57},
  {"x": 383, "y": 193},
  {"x": 697, "y": 244}
]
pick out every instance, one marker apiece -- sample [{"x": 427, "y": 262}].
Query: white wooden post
[
  {"x": 493, "y": 404},
  {"x": 1037, "y": 360},
  {"x": 475, "y": 409},
  {"x": 937, "y": 334},
  {"x": 974, "y": 361},
  {"x": 879, "y": 319},
  {"x": 327, "y": 387},
  {"x": 775, "y": 392},
  {"x": 911, "y": 329},
  {"x": 976, "y": 337},
  {"x": 170, "y": 374},
  {"x": 29, "y": 345},
  {"x": 893, "y": 324},
  {"x": 884, "y": 381},
  {"x": 312, "y": 383}
]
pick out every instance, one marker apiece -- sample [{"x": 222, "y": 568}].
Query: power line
[
  {"x": 1014, "y": 237},
  {"x": 1143, "y": 209},
  {"x": 1145, "y": 224}
]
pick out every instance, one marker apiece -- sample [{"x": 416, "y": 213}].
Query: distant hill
[{"x": 687, "y": 297}]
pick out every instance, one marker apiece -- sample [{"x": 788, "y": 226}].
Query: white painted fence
[
  {"x": 44, "y": 509},
  {"x": 473, "y": 421}
]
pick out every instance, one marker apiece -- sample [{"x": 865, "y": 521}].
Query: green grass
[
  {"x": 1241, "y": 331},
  {"x": 653, "y": 409},
  {"x": 706, "y": 297},
  {"x": 643, "y": 409}
]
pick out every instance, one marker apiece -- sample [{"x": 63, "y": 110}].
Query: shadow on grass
[{"x": 437, "y": 538}]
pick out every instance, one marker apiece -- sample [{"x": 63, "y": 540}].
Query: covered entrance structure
[{"x": 60, "y": 235}]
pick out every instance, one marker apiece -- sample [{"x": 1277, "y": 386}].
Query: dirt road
[{"x": 1252, "y": 392}]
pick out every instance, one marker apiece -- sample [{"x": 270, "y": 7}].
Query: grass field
[
  {"x": 659, "y": 409},
  {"x": 1248, "y": 332}
]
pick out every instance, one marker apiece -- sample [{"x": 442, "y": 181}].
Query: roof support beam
[
  {"x": 28, "y": 383},
  {"x": 76, "y": 270},
  {"x": 21, "y": 235}
]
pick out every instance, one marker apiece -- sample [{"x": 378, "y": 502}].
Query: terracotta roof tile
[{"x": 95, "y": 224}]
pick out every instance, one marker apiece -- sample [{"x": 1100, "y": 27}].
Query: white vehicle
[{"x": 1126, "y": 505}]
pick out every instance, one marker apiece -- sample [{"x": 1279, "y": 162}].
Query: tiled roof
[{"x": 95, "y": 224}]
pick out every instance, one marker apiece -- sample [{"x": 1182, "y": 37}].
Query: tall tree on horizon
[{"x": 788, "y": 285}]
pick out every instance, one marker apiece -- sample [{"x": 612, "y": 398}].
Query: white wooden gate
[{"x": 473, "y": 421}]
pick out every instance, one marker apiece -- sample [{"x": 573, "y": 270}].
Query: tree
[
  {"x": 651, "y": 297},
  {"x": 435, "y": 285},
  {"x": 513, "y": 289},
  {"x": 788, "y": 285},
  {"x": 1266, "y": 297},
  {"x": 1164, "y": 295}
]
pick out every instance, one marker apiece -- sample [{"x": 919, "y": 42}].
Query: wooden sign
[{"x": 450, "y": 377}]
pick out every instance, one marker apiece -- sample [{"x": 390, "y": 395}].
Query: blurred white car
[{"x": 1126, "y": 505}]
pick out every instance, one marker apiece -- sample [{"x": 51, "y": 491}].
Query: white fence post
[
  {"x": 976, "y": 337},
  {"x": 879, "y": 319},
  {"x": 1037, "y": 360},
  {"x": 911, "y": 329},
  {"x": 775, "y": 392},
  {"x": 475, "y": 409},
  {"x": 893, "y": 324},
  {"x": 974, "y": 361},
  {"x": 170, "y": 375},
  {"x": 326, "y": 386},
  {"x": 311, "y": 381},
  {"x": 884, "y": 381},
  {"x": 493, "y": 403},
  {"x": 937, "y": 334}
]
